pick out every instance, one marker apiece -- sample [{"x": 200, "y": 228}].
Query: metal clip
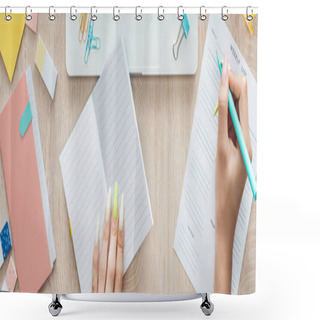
[
  {"x": 160, "y": 16},
  {"x": 138, "y": 16},
  {"x": 52, "y": 17},
  {"x": 93, "y": 17},
  {"x": 224, "y": 13},
  {"x": 180, "y": 15},
  {"x": 249, "y": 15},
  {"x": 116, "y": 17},
  {"x": 203, "y": 13},
  {"x": 7, "y": 16},
  {"x": 28, "y": 16},
  {"x": 73, "y": 16}
]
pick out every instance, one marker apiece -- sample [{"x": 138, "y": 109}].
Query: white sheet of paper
[
  {"x": 195, "y": 234},
  {"x": 46, "y": 67},
  {"x": 103, "y": 148},
  {"x": 42, "y": 174}
]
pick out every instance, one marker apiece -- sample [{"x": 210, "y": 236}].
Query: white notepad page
[
  {"x": 103, "y": 148},
  {"x": 195, "y": 233}
]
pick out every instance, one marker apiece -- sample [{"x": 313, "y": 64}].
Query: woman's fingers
[
  {"x": 105, "y": 246},
  {"x": 120, "y": 246},
  {"x": 238, "y": 87},
  {"x": 235, "y": 84},
  {"x": 223, "y": 105},
  {"x": 95, "y": 263},
  {"x": 113, "y": 243}
]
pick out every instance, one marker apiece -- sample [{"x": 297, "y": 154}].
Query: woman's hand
[
  {"x": 107, "y": 276},
  {"x": 230, "y": 176}
]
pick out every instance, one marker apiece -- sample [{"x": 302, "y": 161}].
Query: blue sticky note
[
  {"x": 5, "y": 240},
  {"x": 25, "y": 119},
  {"x": 185, "y": 25}
]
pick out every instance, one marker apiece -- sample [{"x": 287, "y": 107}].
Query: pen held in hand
[{"x": 242, "y": 143}]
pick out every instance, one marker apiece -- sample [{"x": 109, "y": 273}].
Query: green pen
[{"x": 242, "y": 144}]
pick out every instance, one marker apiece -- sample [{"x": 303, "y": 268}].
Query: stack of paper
[
  {"x": 195, "y": 233},
  {"x": 104, "y": 147}
]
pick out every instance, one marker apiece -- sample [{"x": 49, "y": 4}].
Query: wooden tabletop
[{"x": 164, "y": 107}]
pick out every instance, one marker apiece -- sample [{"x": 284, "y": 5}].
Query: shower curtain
[{"x": 128, "y": 152}]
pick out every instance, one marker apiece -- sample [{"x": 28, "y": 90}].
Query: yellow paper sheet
[{"x": 10, "y": 38}]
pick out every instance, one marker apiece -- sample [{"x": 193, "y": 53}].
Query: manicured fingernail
[
  {"x": 216, "y": 109},
  {"x": 97, "y": 232},
  {"x": 115, "y": 201},
  {"x": 108, "y": 205},
  {"x": 121, "y": 213},
  {"x": 225, "y": 68}
]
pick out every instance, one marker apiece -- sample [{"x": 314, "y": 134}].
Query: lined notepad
[
  {"x": 195, "y": 234},
  {"x": 103, "y": 148}
]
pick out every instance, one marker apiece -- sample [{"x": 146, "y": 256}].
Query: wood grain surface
[{"x": 164, "y": 107}]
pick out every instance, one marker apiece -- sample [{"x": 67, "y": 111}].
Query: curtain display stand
[{"x": 55, "y": 306}]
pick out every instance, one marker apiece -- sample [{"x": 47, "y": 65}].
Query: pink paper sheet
[
  {"x": 33, "y": 23},
  {"x": 24, "y": 194}
]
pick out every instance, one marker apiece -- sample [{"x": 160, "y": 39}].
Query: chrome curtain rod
[{"x": 131, "y": 10}]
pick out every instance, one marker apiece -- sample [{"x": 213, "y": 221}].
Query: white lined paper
[
  {"x": 105, "y": 145},
  {"x": 195, "y": 233},
  {"x": 85, "y": 189}
]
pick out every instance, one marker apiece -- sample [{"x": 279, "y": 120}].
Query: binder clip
[
  {"x": 83, "y": 28},
  {"x": 93, "y": 42},
  {"x": 183, "y": 31}
]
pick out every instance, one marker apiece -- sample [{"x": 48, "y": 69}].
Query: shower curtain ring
[
  {"x": 249, "y": 15},
  {"x": 8, "y": 17},
  {"x": 138, "y": 16},
  {"x": 73, "y": 16},
  {"x": 203, "y": 13},
  {"x": 224, "y": 13},
  {"x": 28, "y": 16},
  {"x": 52, "y": 16},
  {"x": 116, "y": 17},
  {"x": 160, "y": 16},
  {"x": 180, "y": 14},
  {"x": 93, "y": 17}
]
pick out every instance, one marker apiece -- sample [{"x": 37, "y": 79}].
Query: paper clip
[
  {"x": 83, "y": 28},
  {"x": 183, "y": 31},
  {"x": 92, "y": 42}
]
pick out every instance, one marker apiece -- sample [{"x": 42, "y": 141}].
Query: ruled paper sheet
[
  {"x": 195, "y": 233},
  {"x": 103, "y": 148},
  {"x": 121, "y": 149},
  {"x": 85, "y": 189}
]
